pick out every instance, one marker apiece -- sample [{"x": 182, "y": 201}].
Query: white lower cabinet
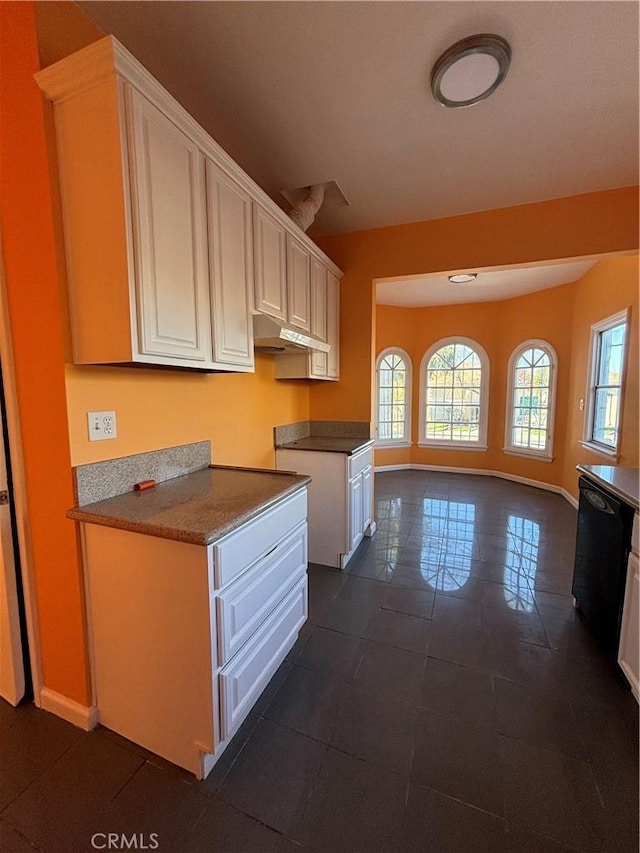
[
  {"x": 629, "y": 650},
  {"x": 244, "y": 678},
  {"x": 184, "y": 637},
  {"x": 340, "y": 500}
]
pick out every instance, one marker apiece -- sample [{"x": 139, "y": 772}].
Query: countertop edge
[
  {"x": 80, "y": 514},
  {"x": 629, "y": 499},
  {"x": 368, "y": 442}
]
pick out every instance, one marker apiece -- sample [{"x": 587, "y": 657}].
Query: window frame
[
  {"x": 592, "y": 373},
  {"x": 545, "y": 455},
  {"x": 450, "y": 444},
  {"x": 405, "y": 441}
]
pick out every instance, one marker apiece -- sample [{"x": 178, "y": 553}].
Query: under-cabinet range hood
[{"x": 274, "y": 336}]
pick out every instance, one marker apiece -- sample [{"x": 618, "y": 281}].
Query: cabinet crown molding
[{"x": 106, "y": 59}]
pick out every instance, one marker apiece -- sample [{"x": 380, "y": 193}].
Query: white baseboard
[
  {"x": 83, "y": 716},
  {"x": 483, "y": 472},
  {"x": 569, "y": 497}
]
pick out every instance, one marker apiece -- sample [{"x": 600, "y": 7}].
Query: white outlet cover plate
[{"x": 102, "y": 425}]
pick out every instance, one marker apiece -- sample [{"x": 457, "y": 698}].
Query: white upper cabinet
[
  {"x": 298, "y": 285},
  {"x": 170, "y": 236},
  {"x": 230, "y": 268},
  {"x": 169, "y": 245},
  {"x": 270, "y": 245},
  {"x": 319, "y": 360},
  {"x": 333, "y": 325}
]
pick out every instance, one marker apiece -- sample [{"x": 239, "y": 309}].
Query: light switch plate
[{"x": 102, "y": 425}]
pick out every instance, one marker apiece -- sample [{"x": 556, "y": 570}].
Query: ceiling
[
  {"x": 308, "y": 92},
  {"x": 490, "y": 285}
]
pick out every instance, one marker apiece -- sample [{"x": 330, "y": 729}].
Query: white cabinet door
[
  {"x": 298, "y": 285},
  {"x": 244, "y": 678},
  {"x": 230, "y": 269},
  {"x": 333, "y": 325},
  {"x": 170, "y": 236},
  {"x": 270, "y": 254},
  {"x": 367, "y": 490},
  {"x": 318, "y": 360},
  {"x": 629, "y": 652},
  {"x": 355, "y": 512}
]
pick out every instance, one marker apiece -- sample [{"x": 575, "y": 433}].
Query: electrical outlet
[{"x": 102, "y": 425}]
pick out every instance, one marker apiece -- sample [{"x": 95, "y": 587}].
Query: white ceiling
[
  {"x": 490, "y": 285},
  {"x": 308, "y": 92}
]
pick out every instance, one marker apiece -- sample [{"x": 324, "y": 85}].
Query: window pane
[
  {"x": 611, "y": 353},
  {"x": 605, "y": 421},
  {"x": 392, "y": 397},
  {"x": 530, "y": 395},
  {"x": 452, "y": 394}
]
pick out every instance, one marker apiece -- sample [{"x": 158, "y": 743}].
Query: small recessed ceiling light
[
  {"x": 463, "y": 277},
  {"x": 470, "y": 70}
]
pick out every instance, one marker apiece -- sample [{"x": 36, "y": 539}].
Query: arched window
[
  {"x": 393, "y": 397},
  {"x": 531, "y": 400},
  {"x": 454, "y": 385}
]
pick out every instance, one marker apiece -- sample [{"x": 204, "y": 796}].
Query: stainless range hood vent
[{"x": 275, "y": 337}]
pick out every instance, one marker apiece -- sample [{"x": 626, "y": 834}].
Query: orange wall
[
  {"x": 579, "y": 226},
  {"x": 606, "y": 289},
  {"x": 499, "y": 327},
  {"x": 237, "y": 412},
  {"x": 30, "y": 263}
]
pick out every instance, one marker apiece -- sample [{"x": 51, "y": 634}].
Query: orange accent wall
[
  {"x": 606, "y": 289},
  {"x": 31, "y": 274},
  {"x": 237, "y": 412},
  {"x": 579, "y": 226},
  {"x": 498, "y": 327}
]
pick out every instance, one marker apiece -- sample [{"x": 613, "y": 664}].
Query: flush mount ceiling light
[
  {"x": 463, "y": 277},
  {"x": 470, "y": 70}
]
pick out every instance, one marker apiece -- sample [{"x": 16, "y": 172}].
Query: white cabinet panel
[
  {"x": 298, "y": 285},
  {"x": 270, "y": 256},
  {"x": 319, "y": 360},
  {"x": 230, "y": 268},
  {"x": 247, "y": 674},
  {"x": 234, "y": 554},
  {"x": 170, "y": 234},
  {"x": 243, "y": 606},
  {"x": 355, "y": 512},
  {"x": 629, "y": 652},
  {"x": 367, "y": 496},
  {"x": 333, "y": 325}
]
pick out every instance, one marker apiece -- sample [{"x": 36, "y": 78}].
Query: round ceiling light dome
[
  {"x": 470, "y": 70},
  {"x": 463, "y": 278}
]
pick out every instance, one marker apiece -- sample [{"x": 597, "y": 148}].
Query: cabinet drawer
[
  {"x": 247, "y": 602},
  {"x": 359, "y": 461},
  {"x": 245, "y": 677},
  {"x": 256, "y": 538}
]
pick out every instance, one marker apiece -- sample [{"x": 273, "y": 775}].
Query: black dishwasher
[{"x": 600, "y": 570}]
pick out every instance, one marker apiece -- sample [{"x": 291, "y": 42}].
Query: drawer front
[
  {"x": 244, "y": 678},
  {"x": 243, "y": 606},
  {"x": 359, "y": 461},
  {"x": 255, "y": 539}
]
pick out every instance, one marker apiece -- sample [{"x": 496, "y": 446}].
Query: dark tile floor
[{"x": 443, "y": 697}]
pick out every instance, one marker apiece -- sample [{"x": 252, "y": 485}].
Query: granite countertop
[
  {"x": 198, "y": 508},
  {"x": 622, "y": 482},
  {"x": 328, "y": 444}
]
